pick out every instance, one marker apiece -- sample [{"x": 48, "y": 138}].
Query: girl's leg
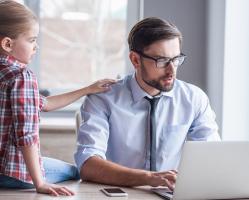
[
  {"x": 9, "y": 182},
  {"x": 58, "y": 171},
  {"x": 55, "y": 171}
]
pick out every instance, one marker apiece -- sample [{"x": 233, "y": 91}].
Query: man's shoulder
[
  {"x": 188, "y": 88},
  {"x": 117, "y": 90}
]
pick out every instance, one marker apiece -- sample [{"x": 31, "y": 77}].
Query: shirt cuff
[
  {"x": 83, "y": 154},
  {"x": 27, "y": 140},
  {"x": 43, "y": 102}
]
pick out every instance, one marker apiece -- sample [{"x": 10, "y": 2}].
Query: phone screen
[{"x": 114, "y": 190}]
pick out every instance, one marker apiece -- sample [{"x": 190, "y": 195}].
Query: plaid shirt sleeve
[
  {"x": 25, "y": 102},
  {"x": 43, "y": 102}
]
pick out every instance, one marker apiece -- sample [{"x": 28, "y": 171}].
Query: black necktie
[{"x": 153, "y": 103}]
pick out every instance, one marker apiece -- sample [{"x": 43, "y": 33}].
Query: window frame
[{"x": 134, "y": 13}]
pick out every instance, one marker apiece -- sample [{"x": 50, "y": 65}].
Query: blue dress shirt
[{"x": 116, "y": 124}]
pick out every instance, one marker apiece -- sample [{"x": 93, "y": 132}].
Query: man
[{"x": 125, "y": 138}]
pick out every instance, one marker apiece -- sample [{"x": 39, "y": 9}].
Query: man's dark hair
[{"x": 150, "y": 30}]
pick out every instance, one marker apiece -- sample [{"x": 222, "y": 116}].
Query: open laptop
[{"x": 211, "y": 170}]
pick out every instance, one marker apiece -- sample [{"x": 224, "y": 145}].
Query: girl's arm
[
  {"x": 62, "y": 100},
  {"x": 31, "y": 157}
]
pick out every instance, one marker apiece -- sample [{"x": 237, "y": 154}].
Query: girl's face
[{"x": 25, "y": 45}]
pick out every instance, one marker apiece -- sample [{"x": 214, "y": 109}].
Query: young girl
[{"x": 21, "y": 165}]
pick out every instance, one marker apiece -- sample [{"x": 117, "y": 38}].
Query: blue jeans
[{"x": 55, "y": 171}]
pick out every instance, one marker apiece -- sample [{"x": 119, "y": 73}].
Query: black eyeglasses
[{"x": 163, "y": 62}]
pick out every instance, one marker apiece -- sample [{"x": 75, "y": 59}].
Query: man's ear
[
  {"x": 135, "y": 59},
  {"x": 6, "y": 44}
]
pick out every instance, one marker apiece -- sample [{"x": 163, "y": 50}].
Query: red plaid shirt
[{"x": 20, "y": 104}]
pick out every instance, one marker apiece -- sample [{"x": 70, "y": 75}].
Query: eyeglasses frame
[{"x": 156, "y": 59}]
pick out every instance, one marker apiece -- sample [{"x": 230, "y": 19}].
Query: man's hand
[
  {"x": 167, "y": 178},
  {"x": 54, "y": 190}
]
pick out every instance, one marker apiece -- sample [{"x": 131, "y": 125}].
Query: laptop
[{"x": 211, "y": 170}]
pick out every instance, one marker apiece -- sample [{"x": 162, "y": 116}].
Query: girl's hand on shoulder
[
  {"x": 101, "y": 86},
  {"x": 54, "y": 190}
]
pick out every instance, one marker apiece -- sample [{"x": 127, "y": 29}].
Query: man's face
[{"x": 161, "y": 79}]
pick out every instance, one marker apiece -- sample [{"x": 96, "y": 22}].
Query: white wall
[
  {"x": 235, "y": 123},
  {"x": 228, "y": 70}
]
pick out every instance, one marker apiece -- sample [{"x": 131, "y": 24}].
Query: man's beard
[{"x": 156, "y": 83}]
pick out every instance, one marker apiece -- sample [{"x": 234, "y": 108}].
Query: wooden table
[{"x": 84, "y": 191}]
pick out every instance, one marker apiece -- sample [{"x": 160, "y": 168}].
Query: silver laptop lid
[{"x": 213, "y": 170}]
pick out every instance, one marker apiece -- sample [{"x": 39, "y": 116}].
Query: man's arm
[
  {"x": 102, "y": 171},
  {"x": 204, "y": 126}
]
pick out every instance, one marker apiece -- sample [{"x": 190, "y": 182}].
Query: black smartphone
[{"x": 114, "y": 192}]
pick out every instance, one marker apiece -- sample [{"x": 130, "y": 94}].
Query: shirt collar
[
  {"x": 138, "y": 93},
  {"x": 10, "y": 61}
]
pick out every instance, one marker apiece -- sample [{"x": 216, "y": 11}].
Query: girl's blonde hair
[{"x": 15, "y": 19}]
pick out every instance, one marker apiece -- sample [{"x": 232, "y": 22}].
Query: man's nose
[{"x": 170, "y": 67}]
